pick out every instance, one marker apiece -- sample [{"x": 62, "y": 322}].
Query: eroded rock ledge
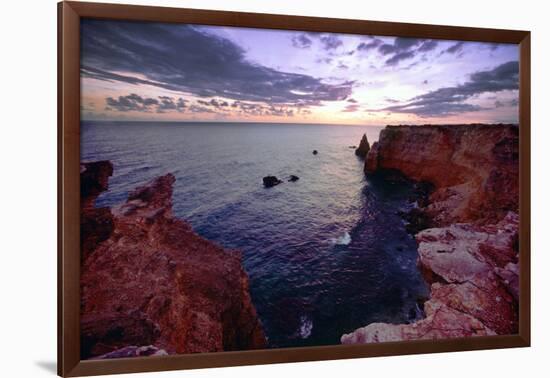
[
  {"x": 150, "y": 285},
  {"x": 470, "y": 255},
  {"x": 474, "y": 168}
]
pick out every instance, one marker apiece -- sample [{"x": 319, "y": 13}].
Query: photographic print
[{"x": 247, "y": 189}]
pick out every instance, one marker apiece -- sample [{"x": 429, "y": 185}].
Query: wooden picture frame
[{"x": 69, "y": 15}]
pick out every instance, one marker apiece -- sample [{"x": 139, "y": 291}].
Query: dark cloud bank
[
  {"x": 185, "y": 59},
  {"x": 301, "y": 41},
  {"x": 134, "y": 102},
  {"x": 163, "y": 104},
  {"x": 328, "y": 41},
  {"x": 406, "y": 48},
  {"x": 451, "y": 100}
]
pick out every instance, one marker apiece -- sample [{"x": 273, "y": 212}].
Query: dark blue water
[{"x": 325, "y": 255}]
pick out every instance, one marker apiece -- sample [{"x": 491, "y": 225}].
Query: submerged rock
[
  {"x": 270, "y": 181},
  {"x": 155, "y": 282},
  {"x": 315, "y": 152},
  {"x": 293, "y": 178},
  {"x": 363, "y": 148}
]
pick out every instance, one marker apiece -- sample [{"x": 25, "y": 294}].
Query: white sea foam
[
  {"x": 342, "y": 240},
  {"x": 306, "y": 325}
]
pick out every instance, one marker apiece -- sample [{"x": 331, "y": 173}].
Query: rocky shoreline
[
  {"x": 152, "y": 286},
  {"x": 468, "y": 234}
]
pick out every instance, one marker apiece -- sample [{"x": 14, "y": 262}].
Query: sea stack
[
  {"x": 150, "y": 285},
  {"x": 363, "y": 148},
  {"x": 469, "y": 256}
]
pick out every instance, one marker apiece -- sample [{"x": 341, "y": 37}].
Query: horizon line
[
  {"x": 248, "y": 122},
  {"x": 305, "y": 123}
]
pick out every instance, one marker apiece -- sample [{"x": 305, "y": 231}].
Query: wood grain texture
[
  {"x": 525, "y": 189},
  {"x": 68, "y": 190}
]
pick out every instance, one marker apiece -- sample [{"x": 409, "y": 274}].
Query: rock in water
[
  {"x": 293, "y": 178},
  {"x": 154, "y": 282},
  {"x": 270, "y": 181},
  {"x": 364, "y": 147},
  {"x": 315, "y": 152}
]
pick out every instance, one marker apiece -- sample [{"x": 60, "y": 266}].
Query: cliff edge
[
  {"x": 474, "y": 168},
  {"x": 150, "y": 285},
  {"x": 469, "y": 256}
]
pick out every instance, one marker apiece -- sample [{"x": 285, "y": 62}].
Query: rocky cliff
[
  {"x": 474, "y": 168},
  {"x": 469, "y": 256},
  {"x": 150, "y": 285}
]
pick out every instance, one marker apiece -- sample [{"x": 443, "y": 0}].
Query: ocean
[{"x": 326, "y": 254}]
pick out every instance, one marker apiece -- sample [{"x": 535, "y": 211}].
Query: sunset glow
[{"x": 166, "y": 72}]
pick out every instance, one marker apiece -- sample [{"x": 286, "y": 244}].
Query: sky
[{"x": 179, "y": 72}]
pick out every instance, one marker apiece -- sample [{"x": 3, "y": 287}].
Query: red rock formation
[
  {"x": 474, "y": 168},
  {"x": 471, "y": 260},
  {"x": 96, "y": 224},
  {"x": 133, "y": 351},
  {"x": 441, "y": 322},
  {"x": 363, "y": 148},
  {"x": 154, "y": 283}
]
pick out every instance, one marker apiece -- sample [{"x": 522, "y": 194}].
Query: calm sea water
[{"x": 325, "y": 255}]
